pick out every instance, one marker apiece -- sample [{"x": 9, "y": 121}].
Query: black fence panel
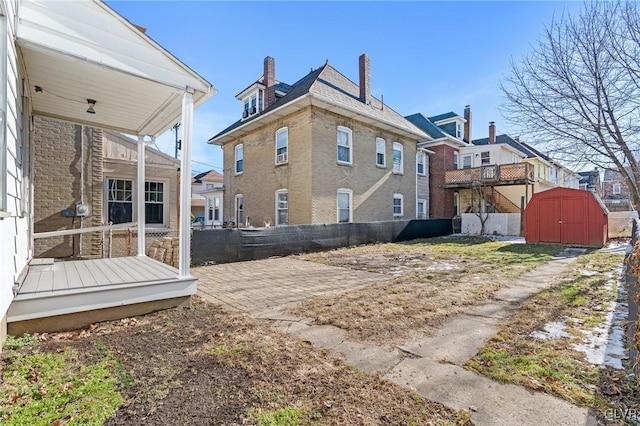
[
  {"x": 632, "y": 294},
  {"x": 234, "y": 245}
]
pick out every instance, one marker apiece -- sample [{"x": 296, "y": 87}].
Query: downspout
[{"x": 82, "y": 130}]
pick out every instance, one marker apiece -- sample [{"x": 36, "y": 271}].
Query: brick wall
[
  {"x": 261, "y": 177},
  {"x": 59, "y": 185},
  {"x": 441, "y": 205},
  {"x": 607, "y": 189},
  {"x": 373, "y": 187},
  {"x": 313, "y": 170}
]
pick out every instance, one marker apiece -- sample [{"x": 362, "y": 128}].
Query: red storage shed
[{"x": 566, "y": 216}]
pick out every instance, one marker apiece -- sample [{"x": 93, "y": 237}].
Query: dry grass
[
  {"x": 429, "y": 281},
  {"x": 551, "y": 365},
  {"x": 207, "y": 366}
]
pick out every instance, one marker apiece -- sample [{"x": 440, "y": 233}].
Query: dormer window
[
  {"x": 459, "y": 130},
  {"x": 252, "y": 103}
]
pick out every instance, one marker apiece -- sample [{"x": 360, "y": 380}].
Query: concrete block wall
[{"x": 62, "y": 180}]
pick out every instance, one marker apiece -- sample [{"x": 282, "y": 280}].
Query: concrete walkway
[{"x": 432, "y": 365}]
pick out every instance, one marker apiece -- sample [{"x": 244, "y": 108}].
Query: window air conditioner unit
[
  {"x": 282, "y": 158},
  {"x": 245, "y": 113}
]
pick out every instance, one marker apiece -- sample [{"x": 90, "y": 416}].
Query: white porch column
[
  {"x": 140, "y": 196},
  {"x": 185, "y": 184}
]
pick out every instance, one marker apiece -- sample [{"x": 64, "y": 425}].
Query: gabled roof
[
  {"x": 328, "y": 88},
  {"x": 507, "y": 140},
  {"x": 610, "y": 175},
  {"x": 444, "y": 116},
  {"x": 427, "y": 125},
  {"x": 210, "y": 176}
]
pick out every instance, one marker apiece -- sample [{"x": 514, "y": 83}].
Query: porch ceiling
[{"x": 76, "y": 51}]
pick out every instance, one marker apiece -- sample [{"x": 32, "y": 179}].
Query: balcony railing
[{"x": 506, "y": 174}]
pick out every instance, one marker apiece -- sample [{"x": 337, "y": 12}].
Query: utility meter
[{"x": 82, "y": 209}]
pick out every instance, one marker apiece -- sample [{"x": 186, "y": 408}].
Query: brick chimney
[
  {"x": 365, "y": 79},
  {"x": 467, "y": 125},
  {"x": 492, "y": 132},
  {"x": 269, "y": 80}
]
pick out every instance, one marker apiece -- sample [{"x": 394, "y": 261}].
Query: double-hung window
[
  {"x": 282, "y": 207},
  {"x": 467, "y": 161},
  {"x": 456, "y": 160},
  {"x": 239, "y": 210},
  {"x": 154, "y": 202},
  {"x": 420, "y": 163},
  {"x": 421, "y": 209},
  {"x": 397, "y": 158},
  {"x": 239, "y": 159},
  {"x": 282, "y": 146},
  {"x": 380, "y": 152},
  {"x": 397, "y": 205},
  {"x": 485, "y": 158},
  {"x": 345, "y": 153},
  {"x": 617, "y": 188},
  {"x": 344, "y": 200},
  {"x": 120, "y": 201}
]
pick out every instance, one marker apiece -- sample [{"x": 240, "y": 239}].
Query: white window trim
[
  {"x": 424, "y": 203},
  {"x": 235, "y": 210},
  {"x": 384, "y": 153},
  {"x": 488, "y": 158},
  {"x": 235, "y": 157},
  {"x": 456, "y": 160},
  {"x": 422, "y": 155},
  {"x": 134, "y": 197},
  {"x": 616, "y": 189},
  {"x": 401, "y": 168},
  {"x": 278, "y": 192},
  {"x": 456, "y": 202},
  {"x": 471, "y": 162},
  {"x": 350, "y": 194},
  {"x": 350, "y": 133},
  {"x": 400, "y": 197},
  {"x": 284, "y": 160}
]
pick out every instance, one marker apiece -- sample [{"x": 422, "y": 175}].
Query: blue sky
[{"x": 429, "y": 57}]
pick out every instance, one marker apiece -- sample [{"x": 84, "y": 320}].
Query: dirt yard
[
  {"x": 432, "y": 280},
  {"x": 206, "y": 366}
]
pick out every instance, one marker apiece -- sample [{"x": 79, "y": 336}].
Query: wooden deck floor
[
  {"x": 78, "y": 274},
  {"x": 67, "y": 287}
]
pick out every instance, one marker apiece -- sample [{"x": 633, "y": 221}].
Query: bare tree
[
  {"x": 479, "y": 204},
  {"x": 578, "y": 91}
]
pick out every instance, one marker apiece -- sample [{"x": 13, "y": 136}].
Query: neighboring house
[
  {"x": 207, "y": 196},
  {"x": 590, "y": 181},
  {"x": 321, "y": 150},
  {"x": 104, "y": 180},
  {"x": 615, "y": 192},
  {"x": 107, "y": 75},
  {"x": 449, "y": 132}
]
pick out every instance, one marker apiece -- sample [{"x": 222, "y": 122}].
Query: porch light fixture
[{"x": 91, "y": 103}]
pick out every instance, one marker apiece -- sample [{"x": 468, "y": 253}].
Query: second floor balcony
[{"x": 491, "y": 175}]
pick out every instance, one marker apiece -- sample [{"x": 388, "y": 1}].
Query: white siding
[{"x": 14, "y": 230}]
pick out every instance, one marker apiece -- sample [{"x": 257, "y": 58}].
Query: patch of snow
[
  {"x": 437, "y": 266},
  {"x": 586, "y": 273},
  {"x": 604, "y": 345},
  {"x": 552, "y": 330}
]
